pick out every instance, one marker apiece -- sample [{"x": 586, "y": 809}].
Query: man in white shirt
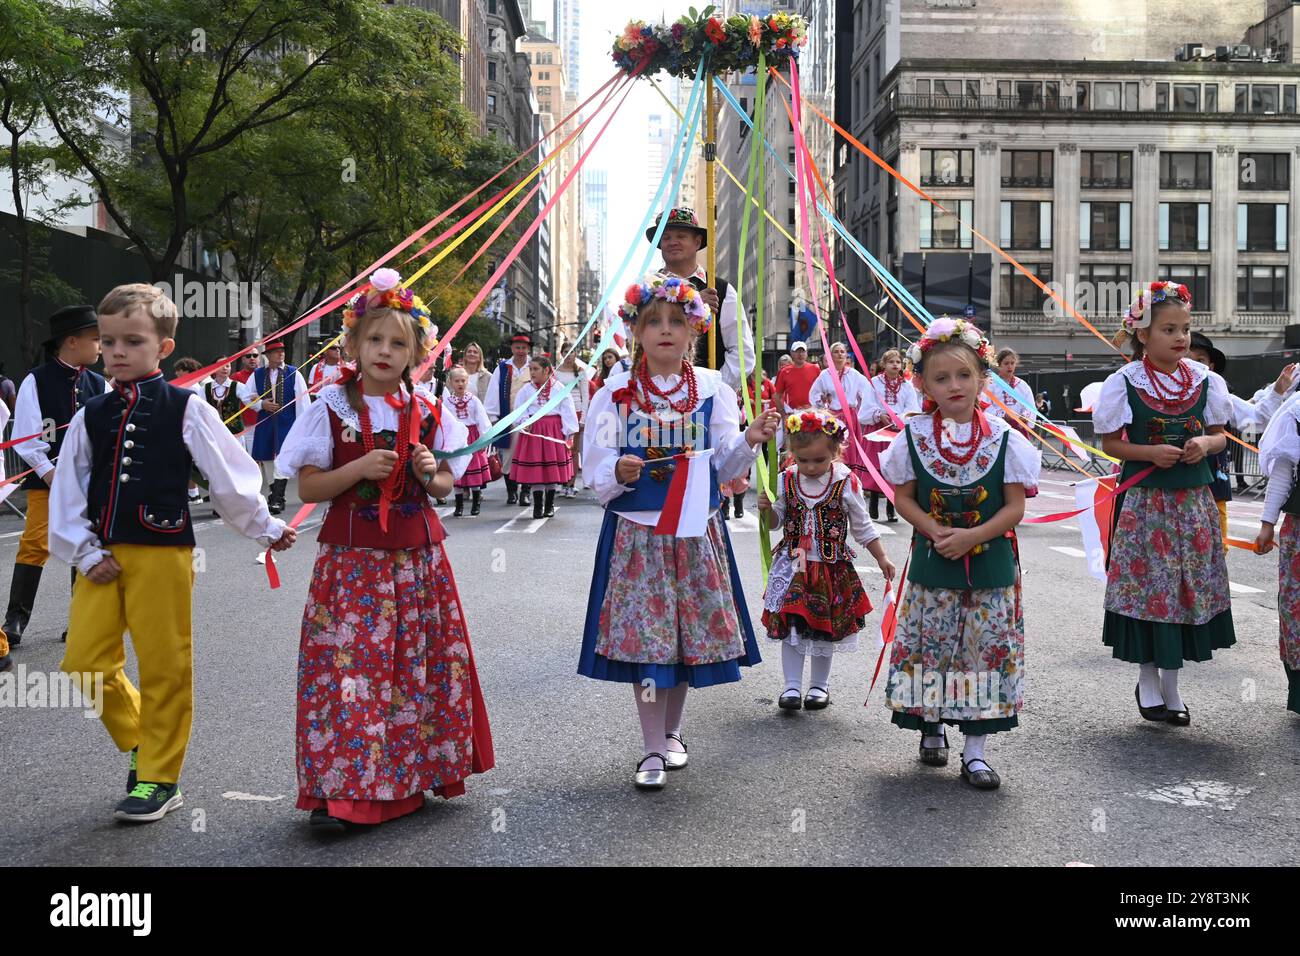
[
  {"x": 328, "y": 369},
  {"x": 508, "y": 378},
  {"x": 275, "y": 392}
]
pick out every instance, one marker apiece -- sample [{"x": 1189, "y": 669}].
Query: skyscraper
[{"x": 595, "y": 183}]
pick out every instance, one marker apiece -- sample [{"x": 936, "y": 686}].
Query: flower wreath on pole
[{"x": 732, "y": 43}]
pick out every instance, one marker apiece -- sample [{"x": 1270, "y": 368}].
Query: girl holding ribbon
[
  {"x": 960, "y": 478},
  {"x": 1167, "y": 581},
  {"x": 815, "y": 603},
  {"x": 389, "y": 703},
  {"x": 666, "y": 609}
]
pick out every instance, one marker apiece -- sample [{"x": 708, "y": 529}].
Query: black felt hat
[
  {"x": 70, "y": 320},
  {"x": 1218, "y": 361}
]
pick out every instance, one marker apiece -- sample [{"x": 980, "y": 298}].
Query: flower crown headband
[
  {"x": 814, "y": 421},
  {"x": 387, "y": 285},
  {"x": 1138, "y": 315},
  {"x": 669, "y": 289},
  {"x": 944, "y": 329}
]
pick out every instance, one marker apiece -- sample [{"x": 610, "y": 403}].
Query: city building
[
  {"x": 469, "y": 17},
  {"x": 1098, "y": 151},
  {"x": 595, "y": 189}
]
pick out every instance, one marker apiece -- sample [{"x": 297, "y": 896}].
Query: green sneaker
[
  {"x": 130, "y": 770},
  {"x": 149, "y": 802}
]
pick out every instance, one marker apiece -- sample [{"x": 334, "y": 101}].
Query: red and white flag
[
  {"x": 686, "y": 510},
  {"x": 1094, "y": 522}
]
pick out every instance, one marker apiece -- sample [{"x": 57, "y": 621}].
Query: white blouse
[
  {"x": 473, "y": 412},
  {"x": 1255, "y": 416},
  {"x": 907, "y": 403},
  {"x": 1111, "y": 412},
  {"x": 1020, "y": 400},
  {"x": 1022, "y": 461},
  {"x": 861, "y": 528},
  {"x": 856, "y": 390},
  {"x": 234, "y": 484},
  {"x": 733, "y": 456},
  {"x": 492, "y": 401},
  {"x": 530, "y": 398},
  {"x": 581, "y": 392},
  {"x": 1279, "y": 453},
  {"x": 309, "y": 441}
]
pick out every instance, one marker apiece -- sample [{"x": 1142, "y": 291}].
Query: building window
[
  {"x": 492, "y": 7},
  {"x": 1018, "y": 291},
  {"x": 1162, "y": 97},
  {"x": 947, "y": 167},
  {"x": 1263, "y": 99},
  {"x": 1105, "y": 225},
  {"x": 1184, "y": 170},
  {"x": 1110, "y": 285},
  {"x": 1184, "y": 226},
  {"x": 1261, "y": 288},
  {"x": 1261, "y": 227},
  {"x": 1241, "y": 101},
  {"x": 789, "y": 278},
  {"x": 1027, "y": 167},
  {"x": 1187, "y": 98},
  {"x": 492, "y": 103},
  {"x": 1107, "y": 96},
  {"x": 1288, "y": 98},
  {"x": 1211, "y": 97},
  {"x": 1196, "y": 278},
  {"x": 941, "y": 230},
  {"x": 891, "y": 237},
  {"x": 1026, "y": 225},
  {"x": 1106, "y": 170},
  {"x": 1265, "y": 171},
  {"x": 492, "y": 70},
  {"x": 790, "y": 216},
  {"x": 1131, "y": 96},
  {"x": 866, "y": 87}
]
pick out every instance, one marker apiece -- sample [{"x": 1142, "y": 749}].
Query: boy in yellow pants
[{"x": 119, "y": 513}]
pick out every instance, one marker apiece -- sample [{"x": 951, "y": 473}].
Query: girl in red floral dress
[{"x": 389, "y": 703}]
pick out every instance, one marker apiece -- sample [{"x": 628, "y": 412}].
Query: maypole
[{"x": 711, "y": 208}]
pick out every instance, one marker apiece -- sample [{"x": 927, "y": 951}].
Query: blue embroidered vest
[{"x": 650, "y": 440}]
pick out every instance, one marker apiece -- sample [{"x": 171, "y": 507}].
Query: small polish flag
[
  {"x": 686, "y": 509},
  {"x": 1094, "y": 523}
]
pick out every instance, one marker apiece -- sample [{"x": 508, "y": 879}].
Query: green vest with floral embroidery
[
  {"x": 991, "y": 564},
  {"x": 1152, "y": 427}
]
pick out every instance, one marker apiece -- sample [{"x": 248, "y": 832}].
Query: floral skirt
[
  {"x": 666, "y": 609},
  {"x": 389, "y": 703},
  {"x": 1288, "y": 592},
  {"x": 477, "y": 474},
  {"x": 823, "y": 601},
  {"x": 542, "y": 456},
  {"x": 1167, "y": 581},
  {"x": 958, "y": 658}
]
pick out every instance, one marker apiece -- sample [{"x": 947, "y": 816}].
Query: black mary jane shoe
[
  {"x": 1179, "y": 718},
  {"x": 1158, "y": 714},
  {"x": 935, "y": 756},
  {"x": 986, "y": 779},
  {"x": 321, "y": 822},
  {"x": 790, "y": 700},
  {"x": 818, "y": 702}
]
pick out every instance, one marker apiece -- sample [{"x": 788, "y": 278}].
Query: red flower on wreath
[{"x": 713, "y": 30}]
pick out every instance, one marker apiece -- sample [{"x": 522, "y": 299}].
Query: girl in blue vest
[
  {"x": 664, "y": 613},
  {"x": 1167, "y": 581},
  {"x": 960, "y": 479},
  {"x": 1279, "y": 457},
  {"x": 389, "y": 703}
]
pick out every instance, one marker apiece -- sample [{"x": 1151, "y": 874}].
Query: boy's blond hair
[{"x": 125, "y": 298}]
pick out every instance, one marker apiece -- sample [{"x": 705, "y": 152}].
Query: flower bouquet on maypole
[{"x": 739, "y": 42}]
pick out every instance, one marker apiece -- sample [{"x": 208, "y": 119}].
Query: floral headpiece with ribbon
[
  {"x": 669, "y": 289},
  {"x": 944, "y": 329},
  {"x": 1138, "y": 315},
  {"x": 386, "y": 286},
  {"x": 815, "y": 421}
]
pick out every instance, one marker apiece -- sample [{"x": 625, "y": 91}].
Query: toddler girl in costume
[
  {"x": 389, "y": 703},
  {"x": 665, "y": 613},
  {"x": 542, "y": 460},
  {"x": 815, "y": 604},
  {"x": 960, "y": 478},
  {"x": 1167, "y": 580},
  {"x": 1279, "y": 455},
  {"x": 461, "y": 402}
]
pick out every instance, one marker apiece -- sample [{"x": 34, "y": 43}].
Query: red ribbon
[
  {"x": 1062, "y": 515},
  {"x": 272, "y": 573},
  {"x": 888, "y": 625}
]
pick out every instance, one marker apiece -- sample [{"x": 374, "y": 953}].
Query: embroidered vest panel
[
  {"x": 829, "y": 518},
  {"x": 228, "y": 406},
  {"x": 652, "y": 441},
  {"x": 1151, "y": 426}
]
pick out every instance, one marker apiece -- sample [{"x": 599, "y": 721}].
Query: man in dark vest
[
  {"x": 47, "y": 400},
  {"x": 276, "y": 392},
  {"x": 508, "y": 378}
]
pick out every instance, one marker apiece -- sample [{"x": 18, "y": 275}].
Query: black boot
[
  {"x": 460, "y": 507},
  {"x": 474, "y": 504},
  {"x": 875, "y": 506},
  {"x": 523, "y": 495},
  {"x": 725, "y": 510},
  {"x": 550, "y": 504},
  {"x": 275, "y": 502},
  {"x": 22, "y": 596},
  {"x": 537, "y": 505},
  {"x": 890, "y": 514},
  {"x": 511, "y": 491},
  {"x": 740, "y": 505}
]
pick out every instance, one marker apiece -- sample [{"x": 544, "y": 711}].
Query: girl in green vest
[
  {"x": 960, "y": 479},
  {"x": 1167, "y": 580},
  {"x": 1279, "y": 454}
]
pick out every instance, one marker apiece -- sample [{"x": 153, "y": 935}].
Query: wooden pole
[{"x": 710, "y": 156}]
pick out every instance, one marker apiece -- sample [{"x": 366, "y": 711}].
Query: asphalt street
[{"x": 1085, "y": 780}]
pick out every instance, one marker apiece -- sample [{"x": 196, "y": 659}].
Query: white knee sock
[
  {"x": 820, "y": 675},
  {"x": 1149, "y": 686},
  {"x": 1169, "y": 689},
  {"x": 652, "y": 715},
  {"x": 792, "y": 667},
  {"x": 973, "y": 749},
  {"x": 676, "y": 698}
]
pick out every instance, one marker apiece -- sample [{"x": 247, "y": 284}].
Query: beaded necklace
[
  {"x": 1181, "y": 387},
  {"x": 965, "y": 449}
]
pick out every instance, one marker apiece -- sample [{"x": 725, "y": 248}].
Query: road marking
[
  {"x": 1236, "y": 588},
  {"x": 869, "y": 568},
  {"x": 1053, "y": 494},
  {"x": 1244, "y": 524},
  {"x": 745, "y": 524},
  {"x": 11, "y": 534},
  {"x": 1070, "y": 552},
  {"x": 533, "y": 524},
  {"x": 883, "y": 529},
  {"x": 253, "y": 797}
]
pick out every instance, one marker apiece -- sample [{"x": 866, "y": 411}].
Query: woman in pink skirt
[
  {"x": 460, "y": 401},
  {"x": 542, "y": 459},
  {"x": 857, "y": 390},
  {"x": 891, "y": 391}
]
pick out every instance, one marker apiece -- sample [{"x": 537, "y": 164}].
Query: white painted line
[
  {"x": 11, "y": 534},
  {"x": 1236, "y": 588},
  {"x": 253, "y": 797},
  {"x": 1071, "y": 552},
  {"x": 883, "y": 529},
  {"x": 533, "y": 524},
  {"x": 745, "y": 524},
  {"x": 1244, "y": 524},
  {"x": 868, "y": 568},
  {"x": 1053, "y": 494}
]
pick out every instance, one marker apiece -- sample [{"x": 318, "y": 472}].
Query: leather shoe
[
  {"x": 673, "y": 760},
  {"x": 1157, "y": 713},
  {"x": 650, "y": 779}
]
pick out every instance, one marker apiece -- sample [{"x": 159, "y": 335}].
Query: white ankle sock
[
  {"x": 1169, "y": 689},
  {"x": 820, "y": 673},
  {"x": 1149, "y": 693},
  {"x": 792, "y": 667},
  {"x": 973, "y": 750}
]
